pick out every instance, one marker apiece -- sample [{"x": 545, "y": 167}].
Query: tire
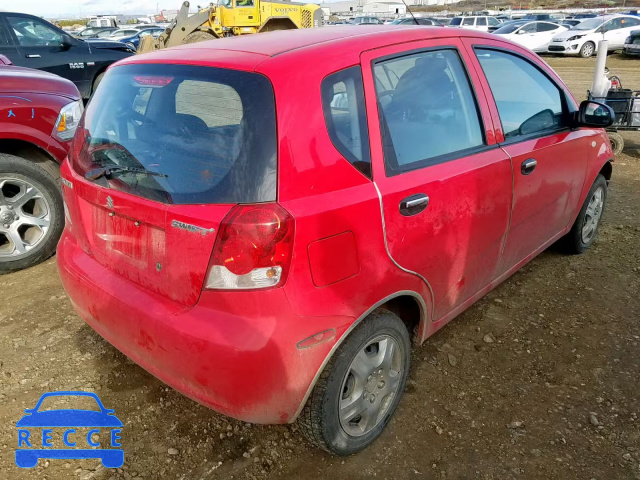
[
  {"x": 320, "y": 419},
  {"x": 587, "y": 49},
  {"x": 617, "y": 142},
  {"x": 575, "y": 242},
  {"x": 199, "y": 36},
  {"x": 38, "y": 223},
  {"x": 96, "y": 82}
]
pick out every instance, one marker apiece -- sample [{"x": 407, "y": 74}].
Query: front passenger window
[
  {"x": 34, "y": 33},
  {"x": 528, "y": 101}
]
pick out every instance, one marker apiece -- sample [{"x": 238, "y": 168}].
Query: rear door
[
  {"x": 7, "y": 45},
  {"x": 199, "y": 139},
  {"x": 445, "y": 185},
  {"x": 545, "y": 32},
  {"x": 549, "y": 159}
]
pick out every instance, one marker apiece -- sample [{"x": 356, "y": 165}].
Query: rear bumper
[{"x": 234, "y": 352}]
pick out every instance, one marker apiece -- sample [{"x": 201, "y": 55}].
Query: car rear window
[{"x": 199, "y": 134}]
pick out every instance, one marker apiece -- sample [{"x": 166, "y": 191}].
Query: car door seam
[
  {"x": 513, "y": 187},
  {"x": 386, "y": 247}
]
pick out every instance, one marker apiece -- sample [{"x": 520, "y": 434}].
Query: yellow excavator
[{"x": 233, "y": 17}]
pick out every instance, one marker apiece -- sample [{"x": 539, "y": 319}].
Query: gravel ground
[{"x": 538, "y": 380}]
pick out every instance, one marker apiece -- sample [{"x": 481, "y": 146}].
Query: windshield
[
  {"x": 510, "y": 28},
  {"x": 589, "y": 24},
  {"x": 456, "y": 21},
  {"x": 185, "y": 134}
]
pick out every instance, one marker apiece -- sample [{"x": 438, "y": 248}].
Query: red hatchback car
[{"x": 265, "y": 222}]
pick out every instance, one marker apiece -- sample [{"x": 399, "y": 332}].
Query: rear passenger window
[
  {"x": 481, "y": 22},
  {"x": 345, "y": 117},
  {"x": 546, "y": 27},
  {"x": 468, "y": 21},
  {"x": 428, "y": 112},
  {"x": 528, "y": 101}
]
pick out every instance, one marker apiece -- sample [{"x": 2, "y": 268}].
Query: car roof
[{"x": 283, "y": 42}]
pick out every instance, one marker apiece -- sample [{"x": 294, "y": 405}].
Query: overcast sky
[{"x": 81, "y": 8}]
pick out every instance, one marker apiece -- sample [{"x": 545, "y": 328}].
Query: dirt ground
[{"x": 554, "y": 395}]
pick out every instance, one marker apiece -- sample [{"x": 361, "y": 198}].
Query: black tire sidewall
[
  {"x": 380, "y": 323},
  {"x": 23, "y": 169}
]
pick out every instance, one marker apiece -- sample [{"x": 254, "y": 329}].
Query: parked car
[
  {"x": 582, "y": 16},
  {"x": 133, "y": 41},
  {"x": 632, "y": 43},
  {"x": 444, "y": 20},
  {"x": 570, "y": 23},
  {"x": 583, "y": 38},
  {"x": 29, "y": 41},
  {"x": 123, "y": 32},
  {"x": 280, "y": 273},
  {"x": 417, "y": 21},
  {"x": 535, "y": 36},
  {"x": 95, "y": 32},
  {"x": 366, "y": 21},
  {"x": 39, "y": 115},
  {"x": 481, "y": 23},
  {"x": 537, "y": 16}
]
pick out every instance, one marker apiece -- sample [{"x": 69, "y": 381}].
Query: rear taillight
[{"x": 252, "y": 249}]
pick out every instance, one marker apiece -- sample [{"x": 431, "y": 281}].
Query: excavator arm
[{"x": 178, "y": 31}]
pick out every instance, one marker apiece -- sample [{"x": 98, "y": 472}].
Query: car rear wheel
[
  {"x": 31, "y": 213},
  {"x": 583, "y": 232},
  {"x": 360, "y": 388},
  {"x": 587, "y": 49}
]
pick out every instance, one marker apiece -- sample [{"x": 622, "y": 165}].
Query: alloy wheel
[
  {"x": 370, "y": 385},
  {"x": 25, "y": 216},
  {"x": 592, "y": 215}
]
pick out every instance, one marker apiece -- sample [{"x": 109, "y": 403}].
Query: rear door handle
[
  {"x": 414, "y": 204},
  {"x": 528, "y": 166},
  {"x": 33, "y": 56}
]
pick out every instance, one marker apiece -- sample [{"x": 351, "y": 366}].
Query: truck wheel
[
  {"x": 360, "y": 388},
  {"x": 587, "y": 49},
  {"x": 199, "y": 36},
  {"x": 584, "y": 229},
  {"x": 96, "y": 82},
  {"x": 617, "y": 142},
  {"x": 31, "y": 213}
]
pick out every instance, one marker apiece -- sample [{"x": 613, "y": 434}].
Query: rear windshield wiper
[{"x": 107, "y": 171}]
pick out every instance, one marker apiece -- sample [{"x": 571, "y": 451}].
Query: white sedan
[
  {"x": 583, "y": 38},
  {"x": 535, "y": 35}
]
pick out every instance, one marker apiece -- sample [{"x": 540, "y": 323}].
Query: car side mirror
[
  {"x": 595, "y": 114},
  {"x": 67, "y": 41}
]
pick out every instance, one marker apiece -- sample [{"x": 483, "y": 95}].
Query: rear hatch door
[{"x": 166, "y": 151}]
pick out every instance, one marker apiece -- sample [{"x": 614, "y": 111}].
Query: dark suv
[{"x": 29, "y": 41}]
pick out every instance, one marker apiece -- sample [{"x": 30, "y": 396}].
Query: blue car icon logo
[{"x": 66, "y": 423}]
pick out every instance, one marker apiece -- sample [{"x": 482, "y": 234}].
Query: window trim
[
  {"x": 390, "y": 171},
  {"x": 566, "y": 104},
  {"x": 342, "y": 149}
]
